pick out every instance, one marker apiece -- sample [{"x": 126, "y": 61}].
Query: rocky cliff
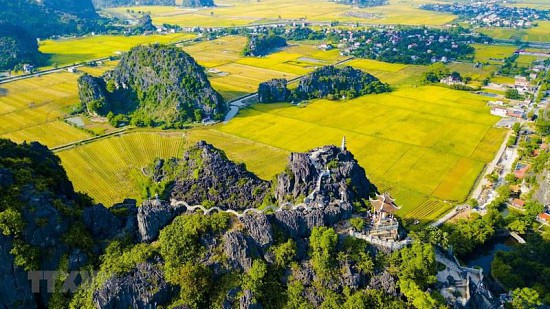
[
  {"x": 322, "y": 175},
  {"x": 262, "y": 44},
  {"x": 156, "y": 85},
  {"x": 205, "y": 176},
  {"x": 335, "y": 82},
  {"x": 17, "y": 46},
  {"x": 274, "y": 90},
  {"x": 164, "y": 254},
  {"x": 92, "y": 94}
]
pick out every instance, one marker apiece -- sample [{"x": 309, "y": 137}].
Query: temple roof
[{"x": 384, "y": 202}]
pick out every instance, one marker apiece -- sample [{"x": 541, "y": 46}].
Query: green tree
[
  {"x": 525, "y": 298},
  {"x": 512, "y": 94},
  {"x": 323, "y": 245},
  {"x": 416, "y": 263},
  {"x": 284, "y": 253},
  {"x": 416, "y": 296},
  {"x": 11, "y": 222},
  {"x": 254, "y": 279}
]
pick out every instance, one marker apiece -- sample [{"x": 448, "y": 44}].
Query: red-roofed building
[
  {"x": 518, "y": 203},
  {"x": 521, "y": 171},
  {"x": 544, "y": 217}
]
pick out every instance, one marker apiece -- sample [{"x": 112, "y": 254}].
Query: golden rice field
[
  {"x": 234, "y": 75},
  {"x": 106, "y": 169},
  {"x": 493, "y": 54},
  {"x": 239, "y": 13},
  {"x": 75, "y": 50},
  {"x": 418, "y": 143},
  {"x": 393, "y": 73},
  {"x": 31, "y": 108},
  {"x": 541, "y": 33}
]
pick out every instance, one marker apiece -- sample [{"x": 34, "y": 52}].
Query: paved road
[{"x": 241, "y": 102}]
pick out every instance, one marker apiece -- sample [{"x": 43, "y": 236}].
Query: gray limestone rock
[
  {"x": 154, "y": 215},
  {"x": 143, "y": 287}
]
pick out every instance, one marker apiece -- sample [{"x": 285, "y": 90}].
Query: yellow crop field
[
  {"x": 493, "y": 53},
  {"x": 234, "y": 75},
  {"x": 469, "y": 70},
  {"x": 239, "y": 13},
  {"x": 74, "y": 50},
  {"x": 411, "y": 141},
  {"x": 393, "y": 73},
  {"x": 106, "y": 169},
  {"x": 31, "y": 108},
  {"x": 540, "y": 33}
]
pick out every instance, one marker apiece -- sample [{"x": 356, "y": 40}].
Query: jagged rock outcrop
[
  {"x": 101, "y": 222},
  {"x": 239, "y": 249},
  {"x": 40, "y": 217},
  {"x": 262, "y": 44},
  {"x": 158, "y": 85},
  {"x": 144, "y": 287},
  {"x": 207, "y": 177},
  {"x": 298, "y": 223},
  {"x": 153, "y": 215},
  {"x": 248, "y": 301},
  {"x": 274, "y": 90},
  {"x": 338, "y": 82},
  {"x": 329, "y": 172},
  {"x": 15, "y": 289},
  {"x": 91, "y": 91},
  {"x": 384, "y": 281},
  {"x": 258, "y": 228}
]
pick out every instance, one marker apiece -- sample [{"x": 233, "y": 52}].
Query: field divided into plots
[
  {"x": 106, "y": 168},
  {"x": 230, "y": 13},
  {"x": 31, "y": 109},
  {"x": 420, "y": 144}
]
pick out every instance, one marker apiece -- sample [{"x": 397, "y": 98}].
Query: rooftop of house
[{"x": 384, "y": 203}]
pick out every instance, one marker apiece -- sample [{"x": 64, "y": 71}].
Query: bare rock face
[
  {"x": 384, "y": 282},
  {"x": 248, "y": 301},
  {"x": 258, "y": 228},
  {"x": 101, "y": 222},
  {"x": 143, "y": 287},
  {"x": 331, "y": 172},
  {"x": 154, "y": 215},
  {"x": 92, "y": 94},
  {"x": 274, "y": 90},
  {"x": 15, "y": 288},
  {"x": 6, "y": 177},
  {"x": 207, "y": 176},
  {"x": 239, "y": 249}
]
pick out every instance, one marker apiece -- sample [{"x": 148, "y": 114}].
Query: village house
[
  {"x": 544, "y": 217},
  {"x": 499, "y": 111},
  {"x": 518, "y": 203}
]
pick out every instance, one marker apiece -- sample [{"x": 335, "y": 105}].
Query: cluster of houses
[{"x": 492, "y": 13}]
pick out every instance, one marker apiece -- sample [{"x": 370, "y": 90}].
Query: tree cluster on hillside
[
  {"x": 153, "y": 85},
  {"x": 17, "y": 46},
  {"x": 23, "y": 21},
  {"x": 261, "y": 45},
  {"x": 328, "y": 82}
]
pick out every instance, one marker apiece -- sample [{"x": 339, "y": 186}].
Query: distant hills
[
  {"x": 115, "y": 3},
  {"x": 23, "y": 21}
]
